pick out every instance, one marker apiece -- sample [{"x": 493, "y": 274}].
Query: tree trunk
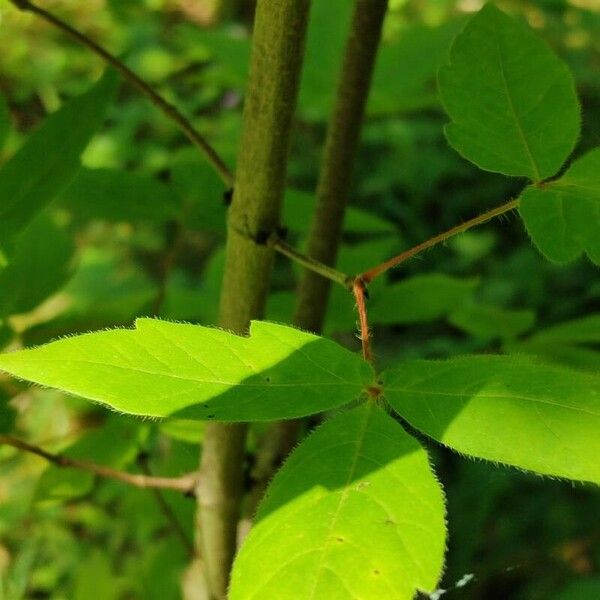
[{"x": 277, "y": 53}]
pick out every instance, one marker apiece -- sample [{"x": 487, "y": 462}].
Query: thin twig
[
  {"x": 186, "y": 483},
  {"x": 167, "y": 511},
  {"x": 312, "y": 264},
  {"x": 168, "y": 109},
  {"x": 371, "y": 274},
  {"x": 359, "y": 290}
]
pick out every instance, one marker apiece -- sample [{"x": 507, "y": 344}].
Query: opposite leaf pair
[{"x": 357, "y": 503}]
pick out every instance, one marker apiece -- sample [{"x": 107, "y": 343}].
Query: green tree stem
[
  {"x": 277, "y": 54},
  {"x": 343, "y": 137}
]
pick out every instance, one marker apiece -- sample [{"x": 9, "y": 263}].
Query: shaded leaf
[
  {"x": 487, "y": 321},
  {"x": 354, "y": 513},
  {"x": 165, "y": 369},
  {"x": 4, "y": 121},
  {"x": 40, "y": 266},
  {"x": 505, "y": 409},
  {"x": 563, "y": 216},
  {"x": 420, "y": 298},
  {"x": 117, "y": 195},
  {"x": 49, "y": 159},
  {"x": 511, "y": 101}
]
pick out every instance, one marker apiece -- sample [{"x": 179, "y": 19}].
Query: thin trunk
[
  {"x": 343, "y": 137},
  {"x": 277, "y": 53}
]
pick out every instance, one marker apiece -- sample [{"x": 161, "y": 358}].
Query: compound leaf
[
  {"x": 505, "y": 409},
  {"x": 354, "y": 513},
  {"x": 162, "y": 369},
  {"x": 49, "y": 159},
  {"x": 511, "y": 101},
  {"x": 563, "y": 216}
]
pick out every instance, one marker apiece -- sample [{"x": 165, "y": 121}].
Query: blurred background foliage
[{"x": 140, "y": 231}]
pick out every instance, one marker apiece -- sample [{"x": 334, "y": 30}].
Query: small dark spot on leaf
[
  {"x": 340, "y": 539},
  {"x": 268, "y": 379},
  {"x": 210, "y": 416},
  {"x": 376, "y": 572}
]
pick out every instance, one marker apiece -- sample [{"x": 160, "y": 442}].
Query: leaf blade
[
  {"x": 505, "y": 409},
  {"x": 563, "y": 217},
  {"x": 49, "y": 159},
  {"x": 342, "y": 520},
  {"x": 511, "y": 101},
  {"x": 163, "y": 369}
]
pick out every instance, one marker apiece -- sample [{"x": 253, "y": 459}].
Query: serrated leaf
[
  {"x": 40, "y": 265},
  {"x": 116, "y": 195},
  {"x": 505, "y": 409},
  {"x": 563, "y": 216},
  {"x": 162, "y": 369},
  {"x": 49, "y": 159},
  {"x": 511, "y": 101},
  {"x": 487, "y": 321},
  {"x": 354, "y": 513}
]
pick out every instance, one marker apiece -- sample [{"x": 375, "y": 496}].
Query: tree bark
[{"x": 277, "y": 53}]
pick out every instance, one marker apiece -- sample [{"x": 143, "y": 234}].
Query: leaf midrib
[{"x": 343, "y": 382}]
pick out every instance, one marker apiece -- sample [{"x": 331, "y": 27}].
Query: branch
[
  {"x": 378, "y": 270},
  {"x": 312, "y": 264},
  {"x": 186, "y": 483},
  {"x": 170, "y": 111}
]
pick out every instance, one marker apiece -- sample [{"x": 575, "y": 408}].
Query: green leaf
[
  {"x": 40, "y": 266},
  {"x": 563, "y": 216},
  {"x": 486, "y": 321},
  {"x": 570, "y": 343},
  {"x": 583, "y": 330},
  {"x": 420, "y": 298},
  {"x": 511, "y": 101},
  {"x": 505, "y": 409},
  {"x": 162, "y": 369},
  {"x": 49, "y": 159},
  {"x": 354, "y": 513},
  {"x": 117, "y": 195},
  {"x": 4, "y": 121},
  {"x": 299, "y": 208}
]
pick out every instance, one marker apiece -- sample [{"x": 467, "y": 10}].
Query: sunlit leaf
[
  {"x": 505, "y": 409},
  {"x": 354, "y": 513},
  {"x": 164, "y": 369}
]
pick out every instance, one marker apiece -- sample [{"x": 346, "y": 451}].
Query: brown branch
[
  {"x": 170, "y": 111},
  {"x": 378, "y": 270},
  {"x": 359, "y": 289},
  {"x": 186, "y": 483}
]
